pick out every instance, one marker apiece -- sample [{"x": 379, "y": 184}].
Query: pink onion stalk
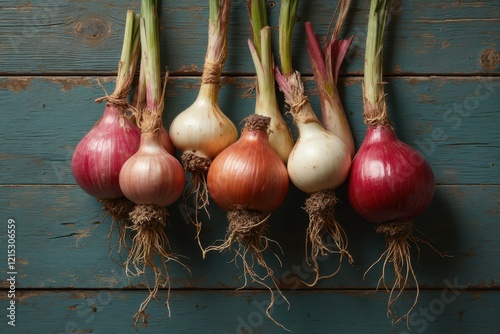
[{"x": 390, "y": 183}]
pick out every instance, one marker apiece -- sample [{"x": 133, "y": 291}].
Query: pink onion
[
  {"x": 152, "y": 175},
  {"x": 100, "y": 155}
]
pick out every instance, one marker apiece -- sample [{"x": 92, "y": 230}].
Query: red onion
[
  {"x": 100, "y": 155},
  {"x": 389, "y": 180},
  {"x": 390, "y": 183}
]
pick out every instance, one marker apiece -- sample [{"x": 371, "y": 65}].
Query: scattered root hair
[
  {"x": 149, "y": 244},
  {"x": 398, "y": 237},
  {"x": 324, "y": 229},
  {"x": 119, "y": 210},
  {"x": 247, "y": 229},
  {"x": 198, "y": 167}
]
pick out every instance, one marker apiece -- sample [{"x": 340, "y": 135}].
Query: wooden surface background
[{"x": 442, "y": 68}]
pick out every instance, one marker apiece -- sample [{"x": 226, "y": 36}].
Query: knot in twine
[
  {"x": 114, "y": 100},
  {"x": 211, "y": 73}
]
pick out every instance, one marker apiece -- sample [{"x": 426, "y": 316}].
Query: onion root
[
  {"x": 247, "y": 228},
  {"x": 323, "y": 227},
  {"x": 398, "y": 236},
  {"x": 150, "y": 242}
]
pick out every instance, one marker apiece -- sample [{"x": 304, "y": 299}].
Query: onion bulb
[
  {"x": 319, "y": 161},
  {"x": 390, "y": 183},
  {"x": 249, "y": 181},
  {"x": 152, "y": 178},
  {"x": 202, "y": 130}
]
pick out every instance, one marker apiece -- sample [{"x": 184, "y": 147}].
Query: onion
[
  {"x": 319, "y": 161},
  {"x": 152, "y": 178},
  {"x": 390, "y": 183},
  {"x": 100, "y": 155},
  {"x": 249, "y": 180},
  {"x": 202, "y": 130}
]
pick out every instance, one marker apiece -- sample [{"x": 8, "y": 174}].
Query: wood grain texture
[
  {"x": 54, "y": 251},
  {"x": 452, "y": 121},
  {"x": 441, "y": 62},
  {"x": 426, "y": 37},
  {"x": 229, "y": 312}
]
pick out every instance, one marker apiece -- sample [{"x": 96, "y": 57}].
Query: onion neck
[
  {"x": 209, "y": 92},
  {"x": 375, "y": 110},
  {"x": 307, "y": 127},
  {"x": 287, "y": 19},
  {"x": 151, "y": 143},
  {"x": 129, "y": 56},
  {"x": 216, "y": 54},
  {"x": 150, "y": 47},
  {"x": 380, "y": 133}
]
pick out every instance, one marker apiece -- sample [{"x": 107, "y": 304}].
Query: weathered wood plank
[
  {"x": 102, "y": 311},
  {"x": 462, "y": 220},
  {"x": 85, "y": 36},
  {"x": 453, "y": 121}
]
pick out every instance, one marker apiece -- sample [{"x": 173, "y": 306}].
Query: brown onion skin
[
  {"x": 100, "y": 155},
  {"x": 389, "y": 180},
  {"x": 248, "y": 174},
  {"x": 152, "y": 176}
]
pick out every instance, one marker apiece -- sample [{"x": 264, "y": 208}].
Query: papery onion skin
[
  {"x": 166, "y": 142},
  {"x": 319, "y": 160},
  {"x": 389, "y": 180},
  {"x": 248, "y": 174},
  {"x": 202, "y": 127},
  {"x": 100, "y": 155},
  {"x": 152, "y": 176}
]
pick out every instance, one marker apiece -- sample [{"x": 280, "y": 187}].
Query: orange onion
[{"x": 249, "y": 180}]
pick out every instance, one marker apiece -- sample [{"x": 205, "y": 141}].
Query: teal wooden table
[{"x": 442, "y": 68}]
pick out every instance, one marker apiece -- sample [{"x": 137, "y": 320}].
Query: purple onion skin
[
  {"x": 389, "y": 180},
  {"x": 100, "y": 155}
]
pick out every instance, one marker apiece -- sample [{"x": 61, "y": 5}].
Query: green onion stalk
[
  {"x": 320, "y": 159},
  {"x": 266, "y": 101}
]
